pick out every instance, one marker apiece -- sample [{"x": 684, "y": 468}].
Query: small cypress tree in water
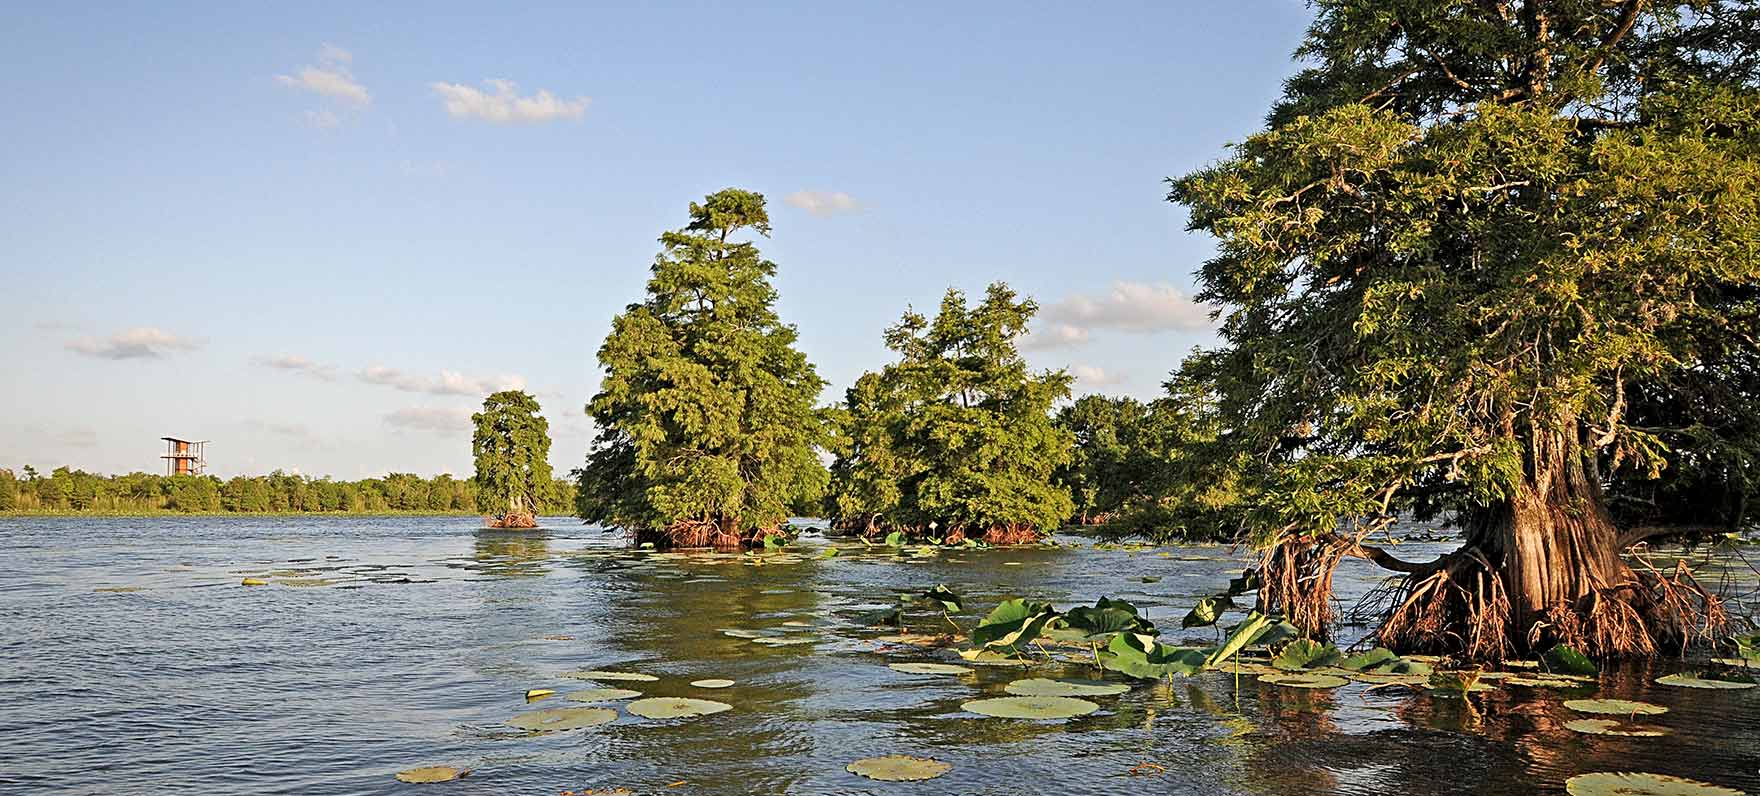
[
  {"x": 511, "y": 447},
  {"x": 956, "y": 438},
  {"x": 706, "y": 417}
]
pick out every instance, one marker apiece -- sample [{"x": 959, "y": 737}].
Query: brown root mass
[{"x": 512, "y": 520}]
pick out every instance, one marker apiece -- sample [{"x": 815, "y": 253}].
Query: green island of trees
[{"x": 511, "y": 449}]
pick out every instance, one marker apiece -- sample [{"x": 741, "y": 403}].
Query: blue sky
[{"x": 318, "y": 233}]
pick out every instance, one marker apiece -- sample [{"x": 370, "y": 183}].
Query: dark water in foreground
[{"x": 341, "y": 674}]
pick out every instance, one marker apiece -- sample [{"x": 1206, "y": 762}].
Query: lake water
[{"x": 133, "y": 661}]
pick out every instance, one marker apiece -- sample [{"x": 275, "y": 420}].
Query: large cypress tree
[
  {"x": 1471, "y": 238},
  {"x": 511, "y": 448},
  {"x": 956, "y": 438},
  {"x": 707, "y": 425}
]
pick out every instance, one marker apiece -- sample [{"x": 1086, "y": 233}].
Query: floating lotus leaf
[
  {"x": 929, "y": 668},
  {"x": 559, "y": 719},
  {"x": 740, "y": 632},
  {"x": 253, "y": 582},
  {"x": 712, "y": 683},
  {"x": 1303, "y": 680},
  {"x": 1025, "y": 707},
  {"x": 431, "y": 774},
  {"x": 796, "y": 623},
  {"x": 1615, "y": 707},
  {"x": 899, "y": 768},
  {"x": 601, "y": 695},
  {"x": 786, "y": 642},
  {"x": 981, "y": 657},
  {"x": 1615, "y": 727},
  {"x": 675, "y": 707},
  {"x": 536, "y": 694},
  {"x": 1041, "y": 687},
  {"x": 611, "y": 676},
  {"x": 1636, "y": 784},
  {"x": 1545, "y": 682},
  {"x": 1376, "y": 678},
  {"x": 1305, "y": 654},
  {"x": 1736, "y": 662},
  {"x": 1368, "y": 660},
  {"x": 1693, "y": 681},
  {"x": 915, "y": 639}
]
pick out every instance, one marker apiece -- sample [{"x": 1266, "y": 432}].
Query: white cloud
[
  {"x": 505, "y": 105},
  {"x": 449, "y": 382},
  {"x": 143, "y": 342},
  {"x": 438, "y": 419},
  {"x": 1129, "y": 307},
  {"x": 294, "y": 363},
  {"x": 330, "y": 78},
  {"x": 823, "y": 203},
  {"x": 1090, "y": 376},
  {"x": 1056, "y": 335}
]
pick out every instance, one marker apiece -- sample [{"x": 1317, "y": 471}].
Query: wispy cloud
[
  {"x": 449, "y": 382},
  {"x": 1091, "y": 376},
  {"x": 504, "y": 105},
  {"x": 437, "y": 419},
  {"x": 143, "y": 342},
  {"x": 823, "y": 203},
  {"x": 294, "y": 363},
  {"x": 330, "y": 78},
  {"x": 1136, "y": 307}
]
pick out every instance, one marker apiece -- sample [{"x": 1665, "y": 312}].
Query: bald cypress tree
[
  {"x": 707, "y": 424},
  {"x": 1471, "y": 236},
  {"x": 511, "y": 448}
]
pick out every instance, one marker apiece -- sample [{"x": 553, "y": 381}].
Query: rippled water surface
[{"x": 133, "y": 661}]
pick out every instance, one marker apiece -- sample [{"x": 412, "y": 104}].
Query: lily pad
[
  {"x": 601, "y": 695},
  {"x": 1042, "y": 687},
  {"x": 631, "y": 677},
  {"x": 253, "y": 582},
  {"x": 559, "y": 719},
  {"x": 929, "y": 668},
  {"x": 675, "y": 707},
  {"x": 1615, "y": 727},
  {"x": 740, "y": 632},
  {"x": 899, "y": 768},
  {"x": 713, "y": 682},
  {"x": 1641, "y": 784},
  {"x": 1025, "y": 707},
  {"x": 792, "y": 641},
  {"x": 430, "y": 774},
  {"x": 1693, "y": 681},
  {"x": 982, "y": 657},
  {"x": 535, "y": 694},
  {"x": 1545, "y": 682},
  {"x": 1300, "y": 680},
  {"x": 1615, "y": 707}
]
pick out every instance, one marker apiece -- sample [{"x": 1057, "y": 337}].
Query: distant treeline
[{"x": 77, "y": 490}]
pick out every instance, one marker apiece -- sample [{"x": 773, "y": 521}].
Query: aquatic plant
[
  {"x": 1031, "y": 707},
  {"x": 431, "y": 774},
  {"x": 899, "y": 768},
  {"x": 562, "y": 719},
  {"x": 1142, "y": 657},
  {"x": 1641, "y": 784},
  {"x": 1013, "y": 625},
  {"x": 675, "y": 707}
]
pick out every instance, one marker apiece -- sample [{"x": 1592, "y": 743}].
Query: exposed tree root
[
  {"x": 688, "y": 534},
  {"x": 1459, "y": 605},
  {"x": 1013, "y": 534},
  {"x": 512, "y": 520}
]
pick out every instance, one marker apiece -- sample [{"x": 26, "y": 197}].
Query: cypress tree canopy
[
  {"x": 956, "y": 437},
  {"x": 511, "y": 447},
  {"x": 706, "y": 417}
]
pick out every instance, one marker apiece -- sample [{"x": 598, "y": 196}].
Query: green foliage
[
  {"x": 1013, "y": 625},
  {"x": 1108, "y": 617},
  {"x": 1142, "y": 657},
  {"x": 1464, "y": 239},
  {"x": 1379, "y": 656},
  {"x": 1566, "y": 660},
  {"x": 942, "y": 598},
  {"x": 1257, "y": 629},
  {"x": 1207, "y": 611},
  {"x": 1306, "y": 654},
  {"x": 706, "y": 412},
  {"x": 278, "y": 492},
  {"x": 8, "y": 490},
  {"x": 955, "y": 436},
  {"x": 511, "y": 448}
]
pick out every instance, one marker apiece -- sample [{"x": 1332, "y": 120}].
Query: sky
[{"x": 318, "y": 234}]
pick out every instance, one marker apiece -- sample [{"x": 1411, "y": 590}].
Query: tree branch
[{"x": 1628, "y": 17}]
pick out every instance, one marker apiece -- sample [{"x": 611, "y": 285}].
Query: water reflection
[{"x": 426, "y": 634}]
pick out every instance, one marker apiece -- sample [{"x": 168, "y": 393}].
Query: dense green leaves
[
  {"x": 66, "y": 489},
  {"x": 707, "y": 427},
  {"x": 1013, "y": 624},
  {"x": 511, "y": 448},
  {"x": 955, "y": 438},
  {"x": 1464, "y": 239}
]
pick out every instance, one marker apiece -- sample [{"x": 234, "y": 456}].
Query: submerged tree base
[
  {"x": 512, "y": 520},
  {"x": 1461, "y": 604},
  {"x": 702, "y": 534}
]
